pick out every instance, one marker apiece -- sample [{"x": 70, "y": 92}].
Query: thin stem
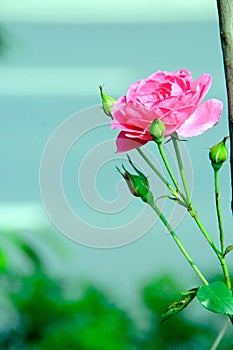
[
  {"x": 220, "y": 336},
  {"x": 157, "y": 172},
  {"x": 167, "y": 166},
  {"x": 225, "y": 272},
  {"x": 188, "y": 197},
  {"x": 218, "y": 208},
  {"x": 181, "y": 168},
  {"x": 176, "y": 239},
  {"x": 204, "y": 231},
  {"x": 162, "y": 178},
  {"x": 198, "y": 221},
  {"x": 221, "y": 231}
]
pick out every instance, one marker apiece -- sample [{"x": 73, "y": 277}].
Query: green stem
[
  {"x": 226, "y": 272},
  {"x": 204, "y": 231},
  {"x": 217, "y": 202},
  {"x": 221, "y": 231},
  {"x": 176, "y": 239},
  {"x": 220, "y": 254},
  {"x": 162, "y": 178},
  {"x": 181, "y": 167},
  {"x": 142, "y": 154},
  {"x": 210, "y": 241},
  {"x": 191, "y": 209},
  {"x": 167, "y": 166}
]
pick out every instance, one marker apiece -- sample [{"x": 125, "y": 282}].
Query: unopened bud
[
  {"x": 107, "y": 102},
  {"x": 218, "y": 154},
  {"x": 157, "y": 130},
  {"x": 138, "y": 184}
]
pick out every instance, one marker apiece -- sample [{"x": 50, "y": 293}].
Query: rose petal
[
  {"x": 204, "y": 118},
  {"x": 125, "y": 144},
  {"x": 132, "y": 91},
  {"x": 172, "y": 119},
  {"x": 127, "y": 115},
  {"x": 201, "y": 85}
]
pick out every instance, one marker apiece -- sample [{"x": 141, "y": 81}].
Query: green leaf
[
  {"x": 178, "y": 306},
  {"x": 216, "y": 297},
  {"x": 228, "y": 249}
]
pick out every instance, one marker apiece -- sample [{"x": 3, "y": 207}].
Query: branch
[{"x": 225, "y": 13}]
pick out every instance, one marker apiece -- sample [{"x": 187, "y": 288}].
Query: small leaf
[
  {"x": 228, "y": 250},
  {"x": 216, "y": 297},
  {"x": 178, "y": 306}
]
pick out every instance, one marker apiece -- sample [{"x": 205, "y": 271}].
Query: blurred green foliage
[
  {"x": 39, "y": 312},
  {"x": 47, "y": 319}
]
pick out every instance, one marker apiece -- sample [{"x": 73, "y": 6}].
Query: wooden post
[{"x": 225, "y": 13}]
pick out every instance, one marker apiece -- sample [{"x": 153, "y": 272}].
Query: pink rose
[{"x": 172, "y": 97}]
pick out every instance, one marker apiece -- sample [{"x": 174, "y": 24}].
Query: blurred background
[{"x": 55, "y": 292}]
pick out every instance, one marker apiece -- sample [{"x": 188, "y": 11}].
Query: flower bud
[
  {"x": 138, "y": 184},
  {"x": 157, "y": 130},
  {"x": 107, "y": 102},
  {"x": 218, "y": 154}
]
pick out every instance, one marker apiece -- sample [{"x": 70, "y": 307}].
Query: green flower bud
[
  {"x": 138, "y": 184},
  {"x": 107, "y": 102},
  {"x": 157, "y": 130},
  {"x": 218, "y": 154}
]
